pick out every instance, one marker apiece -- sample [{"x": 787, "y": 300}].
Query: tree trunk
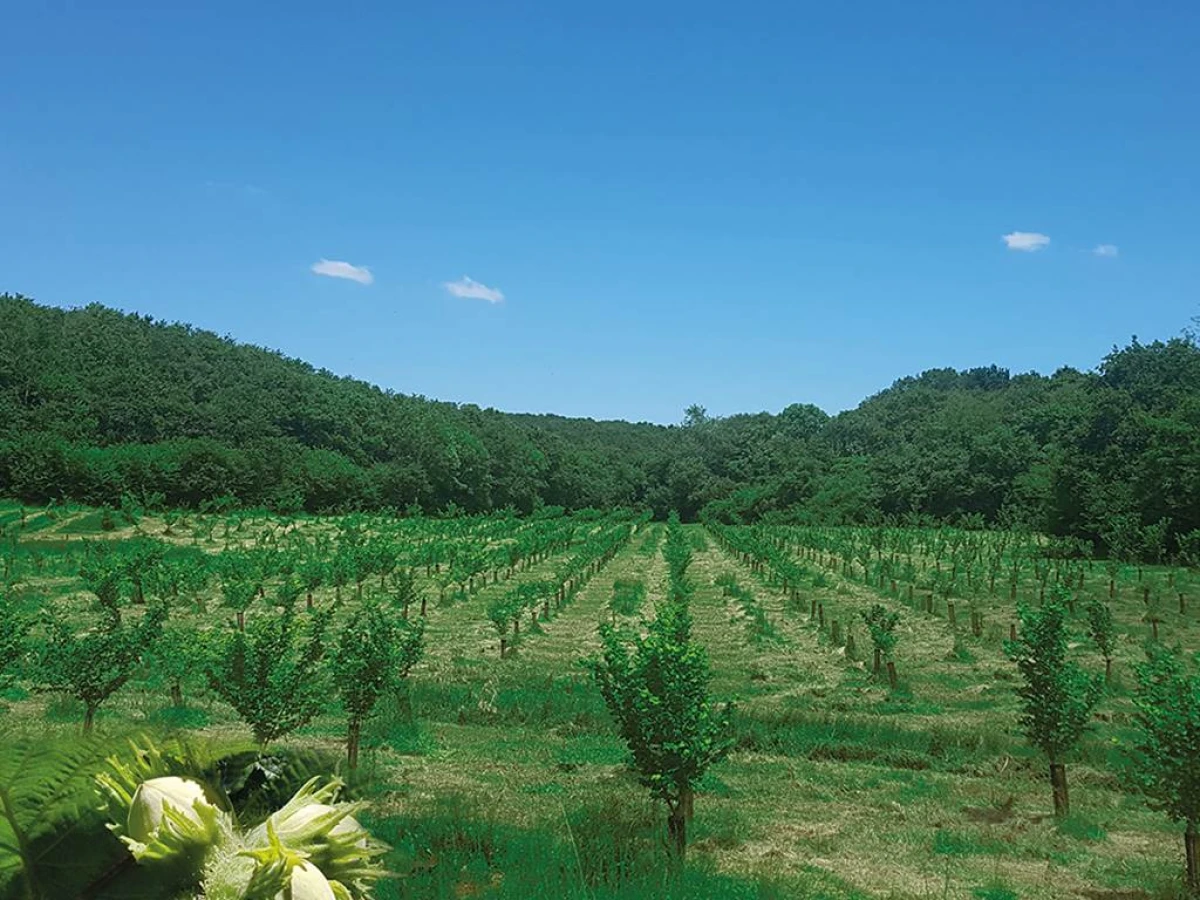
[
  {"x": 878, "y": 661},
  {"x": 89, "y": 718},
  {"x": 950, "y": 614},
  {"x": 176, "y": 695},
  {"x": 1058, "y": 785},
  {"x": 503, "y": 646},
  {"x": 1191, "y": 849},
  {"x": 1154, "y": 629},
  {"x": 352, "y": 740},
  {"x": 423, "y": 600},
  {"x": 891, "y": 670},
  {"x": 1107, "y": 669},
  {"x": 677, "y": 830},
  {"x": 241, "y": 620},
  {"x": 308, "y": 600}
]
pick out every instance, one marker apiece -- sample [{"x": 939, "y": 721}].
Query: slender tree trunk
[
  {"x": 309, "y": 600},
  {"x": 176, "y": 695},
  {"x": 352, "y": 741},
  {"x": 1107, "y": 669},
  {"x": 891, "y": 670},
  {"x": 1191, "y": 849},
  {"x": 878, "y": 661},
  {"x": 423, "y": 600},
  {"x": 241, "y": 620},
  {"x": 1058, "y": 785},
  {"x": 503, "y": 646},
  {"x": 677, "y": 829},
  {"x": 89, "y": 718}
]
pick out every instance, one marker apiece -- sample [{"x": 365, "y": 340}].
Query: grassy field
[{"x": 497, "y": 777}]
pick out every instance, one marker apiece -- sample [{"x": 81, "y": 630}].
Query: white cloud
[
  {"x": 1027, "y": 241},
  {"x": 1106, "y": 250},
  {"x": 337, "y": 269},
  {"x": 470, "y": 289}
]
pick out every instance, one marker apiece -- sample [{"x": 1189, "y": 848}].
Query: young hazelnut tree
[{"x": 1057, "y": 696}]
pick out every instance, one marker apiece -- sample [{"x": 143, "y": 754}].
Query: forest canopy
[{"x": 104, "y": 407}]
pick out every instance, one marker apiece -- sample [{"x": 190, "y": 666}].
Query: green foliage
[
  {"x": 271, "y": 672},
  {"x": 373, "y": 654},
  {"x": 1167, "y": 747},
  {"x": 1102, "y": 630},
  {"x": 656, "y": 687},
  {"x": 881, "y": 625},
  {"x": 1057, "y": 696},
  {"x": 628, "y": 596},
  {"x": 45, "y": 793},
  {"x": 105, "y": 408},
  {"x": 93, "y": 664},
  {"x": 657, "y": 690},
  {"x": 14, "y": 628},
  {"x": 176, "y": 656}
]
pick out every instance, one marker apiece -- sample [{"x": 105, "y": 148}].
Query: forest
[{"x": 107, "y": 408}]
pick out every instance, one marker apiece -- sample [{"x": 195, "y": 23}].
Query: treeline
[{"x": 97, "y": 406}]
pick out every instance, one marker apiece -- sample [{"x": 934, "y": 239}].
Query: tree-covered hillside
[{"x": 96, "y": 405}]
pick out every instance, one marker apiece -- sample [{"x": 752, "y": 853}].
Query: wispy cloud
[
  {"x": 1105, "y": 250},
  {"x": 250, "y": 190},
  {"x": 338, "y": 269},
  {"x": 470, "y": 289},
  {"x": 1026, "y": 241}
]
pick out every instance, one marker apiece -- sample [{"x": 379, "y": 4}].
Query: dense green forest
[{"x": 103, "y": 407}]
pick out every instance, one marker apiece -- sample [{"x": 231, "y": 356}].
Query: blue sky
[{"x": 740, "y": 205}]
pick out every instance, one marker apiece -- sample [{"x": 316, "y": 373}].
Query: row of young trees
[
  {"x": 277, "y": 672},
  {"x": 545, "y": 596},
  {"x": 655, "y": 682},
  {"x": 1058, "y": 697},
  {"x": 146, "y": 610}
]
